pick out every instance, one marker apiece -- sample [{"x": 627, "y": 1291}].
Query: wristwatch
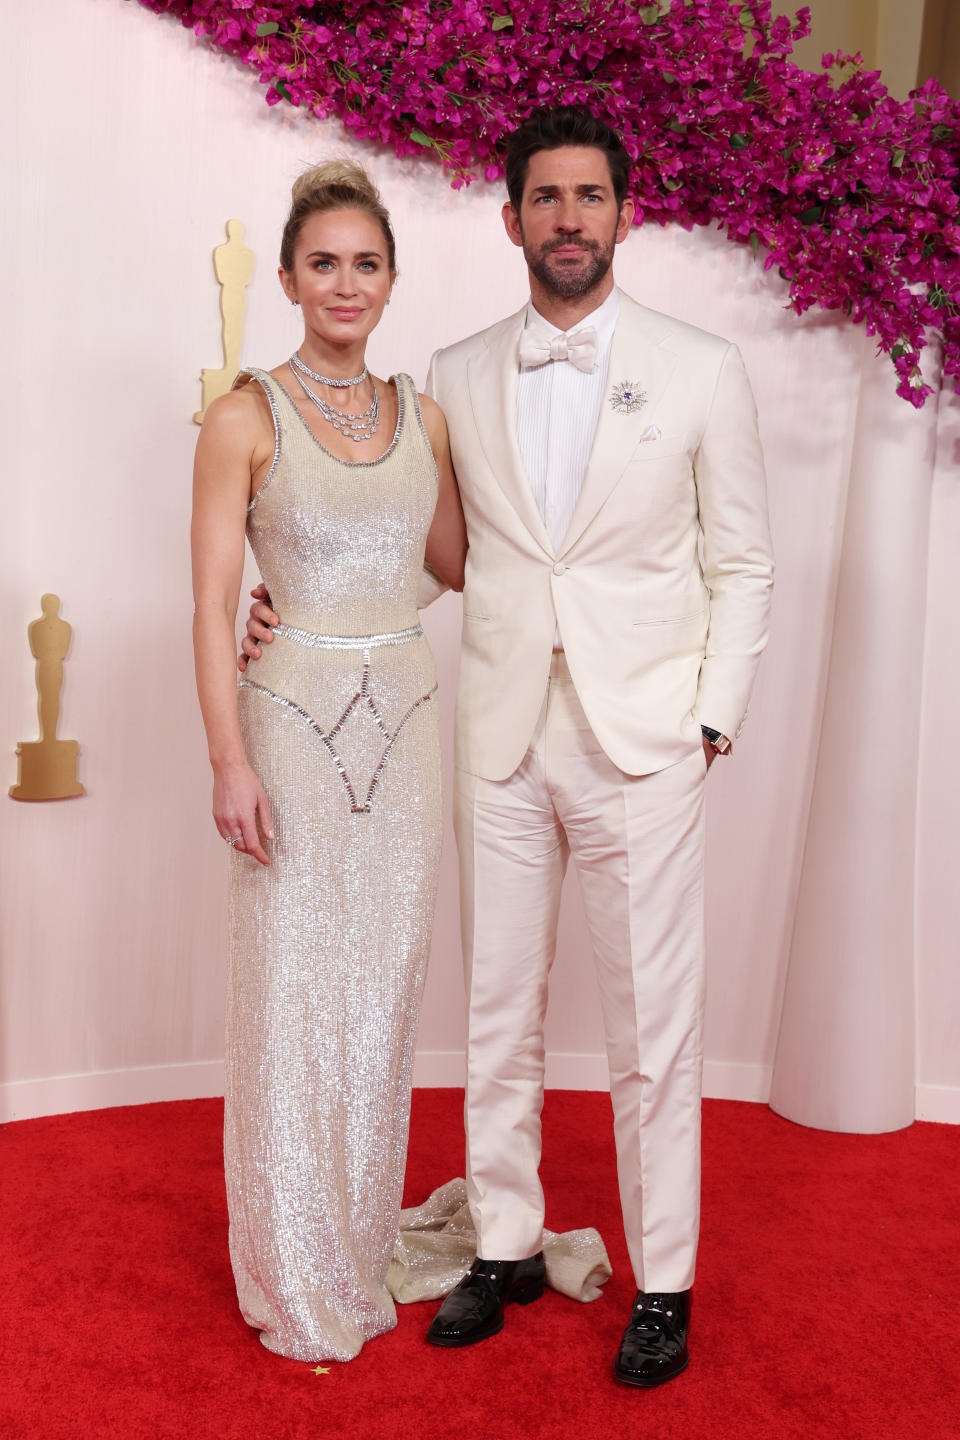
[{"x": 718, "y": 740}]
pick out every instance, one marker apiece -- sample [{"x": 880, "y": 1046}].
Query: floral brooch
[{"x": 627, "y": 397}]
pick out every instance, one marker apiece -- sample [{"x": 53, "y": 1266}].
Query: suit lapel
[
  {"x": 492, "y": 384},
  {"x": 635, "y": 357}
]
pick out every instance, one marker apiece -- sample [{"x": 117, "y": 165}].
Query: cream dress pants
[{"x": 637, "y": 844}]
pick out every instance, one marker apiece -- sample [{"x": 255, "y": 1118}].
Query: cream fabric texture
[
  {"x": 637, "y": 844},
  {"x": 437, "y": 1245},
  {"x": 656, "y": 645}
]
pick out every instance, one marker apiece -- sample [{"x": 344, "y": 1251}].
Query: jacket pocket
[{"x": 660, "y": 449}]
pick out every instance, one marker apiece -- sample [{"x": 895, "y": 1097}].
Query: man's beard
[{"x": 566, "y": 284}]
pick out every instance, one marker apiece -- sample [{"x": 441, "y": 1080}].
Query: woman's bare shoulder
[{"x": 246, "y": 410}]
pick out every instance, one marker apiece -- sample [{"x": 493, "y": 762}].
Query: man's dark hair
[{"x": 553, "y": 128}]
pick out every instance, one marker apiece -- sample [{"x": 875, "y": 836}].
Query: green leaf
[
  {"x": 282, "y": 90},
  {"x": 809, "y": 217},
  {"x": 502, "y": 22},
  {"x": 418, "y": 137},
  {"x": 269, "y": 27},
  {"x": 650, "y": 14},
  {"x": 677, "y": 127},
  {"x": 739, "y": 142},
  {"x": 897, "y": 351},
  {"x": 668, "y": 183},
  {"x": 898, "y": 158},
  {"x": 754, "y": 243},
  {"x": 942, "y": 132},
  {"x": 937, "y": 297},
  {"x": 669, "y": 76}
]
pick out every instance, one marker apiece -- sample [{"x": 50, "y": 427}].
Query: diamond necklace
[
  {"x": 361, "y": 425},
  {"x": 327, "y": 379}
]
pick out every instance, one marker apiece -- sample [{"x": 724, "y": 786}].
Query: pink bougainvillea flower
[{"x": 853, "y": 196}]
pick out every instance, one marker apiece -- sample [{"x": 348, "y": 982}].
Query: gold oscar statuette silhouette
[
  {"x": 233, "y": 266},
  {"x": 47, "y": 768}
]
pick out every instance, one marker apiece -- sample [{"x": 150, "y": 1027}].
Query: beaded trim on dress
[
  {"x": 361, "y": 700},
  {"x": 347, "y": 642}
]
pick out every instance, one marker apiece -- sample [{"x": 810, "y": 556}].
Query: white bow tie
[{"x": 539, "y": 348}]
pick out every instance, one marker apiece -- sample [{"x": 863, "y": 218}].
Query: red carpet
[{"x": 827, "y": 1303}]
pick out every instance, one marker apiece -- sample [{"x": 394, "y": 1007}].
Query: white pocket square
[{"x": 652, "y": 432}]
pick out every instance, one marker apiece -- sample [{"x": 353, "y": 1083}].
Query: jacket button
[{"x": 559, "y": 568}]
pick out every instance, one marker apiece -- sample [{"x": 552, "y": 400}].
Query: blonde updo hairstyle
[{"x": 334, "y": 185}]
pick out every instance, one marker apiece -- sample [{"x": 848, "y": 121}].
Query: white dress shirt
[{"x": 558, "y": 407}]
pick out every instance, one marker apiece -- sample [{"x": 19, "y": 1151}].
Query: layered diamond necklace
[{"x": 356, "y": 425}]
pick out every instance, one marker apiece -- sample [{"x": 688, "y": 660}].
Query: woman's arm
[
  {"x": 447, "y": 541},
  {"x": 227, "y": 456}
]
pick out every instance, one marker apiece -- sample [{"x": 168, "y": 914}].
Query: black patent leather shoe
[
  {"x": 474, "y": 1310},
  {"x": 654, "y": 1345}
]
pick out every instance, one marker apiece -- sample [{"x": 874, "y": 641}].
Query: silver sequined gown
[{"x": 329, "y": 944}]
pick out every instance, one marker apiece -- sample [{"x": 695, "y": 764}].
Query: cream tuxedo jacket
[{"x": 662, "y": 629}]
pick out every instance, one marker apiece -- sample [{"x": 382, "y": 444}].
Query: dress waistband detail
[{"x": 348, "y": 642}]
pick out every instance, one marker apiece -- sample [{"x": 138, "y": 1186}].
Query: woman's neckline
[{"x": 352, "y": 464}]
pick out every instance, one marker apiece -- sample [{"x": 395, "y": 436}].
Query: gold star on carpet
[{"x": 320, "y": 1370}]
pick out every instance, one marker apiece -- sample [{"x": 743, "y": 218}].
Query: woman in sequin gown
[{"x": 326, "y": 780}]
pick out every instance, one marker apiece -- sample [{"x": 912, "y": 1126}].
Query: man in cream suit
[{"x": 598, "y": 446}]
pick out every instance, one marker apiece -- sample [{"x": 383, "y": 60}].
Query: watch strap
[{"x": 717, "y": 739}]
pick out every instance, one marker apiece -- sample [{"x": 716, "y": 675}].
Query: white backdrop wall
[{"x": 123, "y": 168}]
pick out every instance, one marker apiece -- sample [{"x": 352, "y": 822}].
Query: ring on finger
[{"x": 233, "y": 840}]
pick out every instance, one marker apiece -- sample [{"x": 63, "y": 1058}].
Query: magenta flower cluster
[{"x": 850, "y": 194}]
